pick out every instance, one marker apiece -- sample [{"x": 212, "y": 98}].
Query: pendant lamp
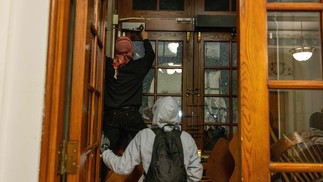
[{"x": 302, "y": 53}]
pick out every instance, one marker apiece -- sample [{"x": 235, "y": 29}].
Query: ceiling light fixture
[{"x": 302, "y": 53}]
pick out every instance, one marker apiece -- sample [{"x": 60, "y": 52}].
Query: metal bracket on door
[{"x": 68, "y": 157}]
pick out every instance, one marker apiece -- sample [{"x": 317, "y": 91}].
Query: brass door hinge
[{"x": 68, "y": 157}]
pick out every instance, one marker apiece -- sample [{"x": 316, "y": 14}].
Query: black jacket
[{"x": 127, "y": 89}]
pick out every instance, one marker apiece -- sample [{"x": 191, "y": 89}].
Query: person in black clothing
[{"x": 123, "y": 91}]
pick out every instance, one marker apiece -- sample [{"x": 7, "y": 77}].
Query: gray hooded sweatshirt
[{"x": 140, "y": 148}]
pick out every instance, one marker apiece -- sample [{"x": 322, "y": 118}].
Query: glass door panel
[
  {"x": 291, "y": 33},
  {"x": 166, "y": 76},
  {"x": 170, "y": 53},
  {"x": 204, "y": 82},
  {"x": 169, "y": 66},
  {"x": 219, "y": 92},
  {"x": 295, "y": 110},
  {"x": 295, "y": 100}
]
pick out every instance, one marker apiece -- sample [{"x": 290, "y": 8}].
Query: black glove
[{"x": 105, "y": 143}]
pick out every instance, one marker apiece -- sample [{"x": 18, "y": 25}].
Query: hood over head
[{"x": 165, "y": 111}]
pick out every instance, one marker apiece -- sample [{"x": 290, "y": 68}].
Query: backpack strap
[{"x": 168, "y": 124}]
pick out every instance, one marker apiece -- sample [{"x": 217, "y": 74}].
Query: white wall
[{"x": 23, "y": 51}]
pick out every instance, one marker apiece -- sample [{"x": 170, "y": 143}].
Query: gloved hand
[{"x": 105, "y": 143}]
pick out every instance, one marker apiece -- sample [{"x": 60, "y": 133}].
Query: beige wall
[{"x": 23, "y": 49}]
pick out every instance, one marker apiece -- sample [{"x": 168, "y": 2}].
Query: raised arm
[{"x": 144, "y": 34}]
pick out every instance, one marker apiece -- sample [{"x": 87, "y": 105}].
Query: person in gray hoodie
[{"x": 139, "y": 150}]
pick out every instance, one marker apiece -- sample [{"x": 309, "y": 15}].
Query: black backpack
[{"x": 167, "y": 161}]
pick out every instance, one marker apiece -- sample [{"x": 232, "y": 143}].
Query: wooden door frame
[
  {"x": 56, "y": 80},
  {"x": 253, "y": 99},
  {"x": 54, "y": 90}
]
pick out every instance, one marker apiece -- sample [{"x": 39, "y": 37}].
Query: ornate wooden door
[
  {"x": 74, "y": 90},
  {"x": 87, "y": 89}
]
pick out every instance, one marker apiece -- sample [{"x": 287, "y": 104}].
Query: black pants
[{"x": 120, "y": 123}]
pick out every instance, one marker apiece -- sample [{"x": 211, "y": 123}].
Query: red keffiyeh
[{"x": 123, "y": 53}]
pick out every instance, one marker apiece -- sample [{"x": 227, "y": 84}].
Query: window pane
[
  {"x": 146, "y": 108},
  {"x": 220, "y": 90},
  {"x": 296, "y": 121},
  {"x": 177, "y": 5},
  {"x": 179, "y": 102},
  {"x": 211, "y": 136},
  {"x": 235, "y": 82},
  {"x": 234, "y": 54},
  {"x": 216, "y": 54},
  {"x": 216, "y": 5},
  {"x": 235, "y": 129},
  {"x": 169, "y": 81},
  {"x": 235, "y": 110},
  {"x": 292, "y": 31},
  {"x": 216, "y": 81},
  {"x": 294, "y": 110},
  {"x": 170, "y": 53},
  {"x": 148, "y": 83},
  {"x": 144, "y": 4},
  {"x": 138, "y": 47},
  {"x": 216, "y": 109},
  {"x": 234, "y": 5}
]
